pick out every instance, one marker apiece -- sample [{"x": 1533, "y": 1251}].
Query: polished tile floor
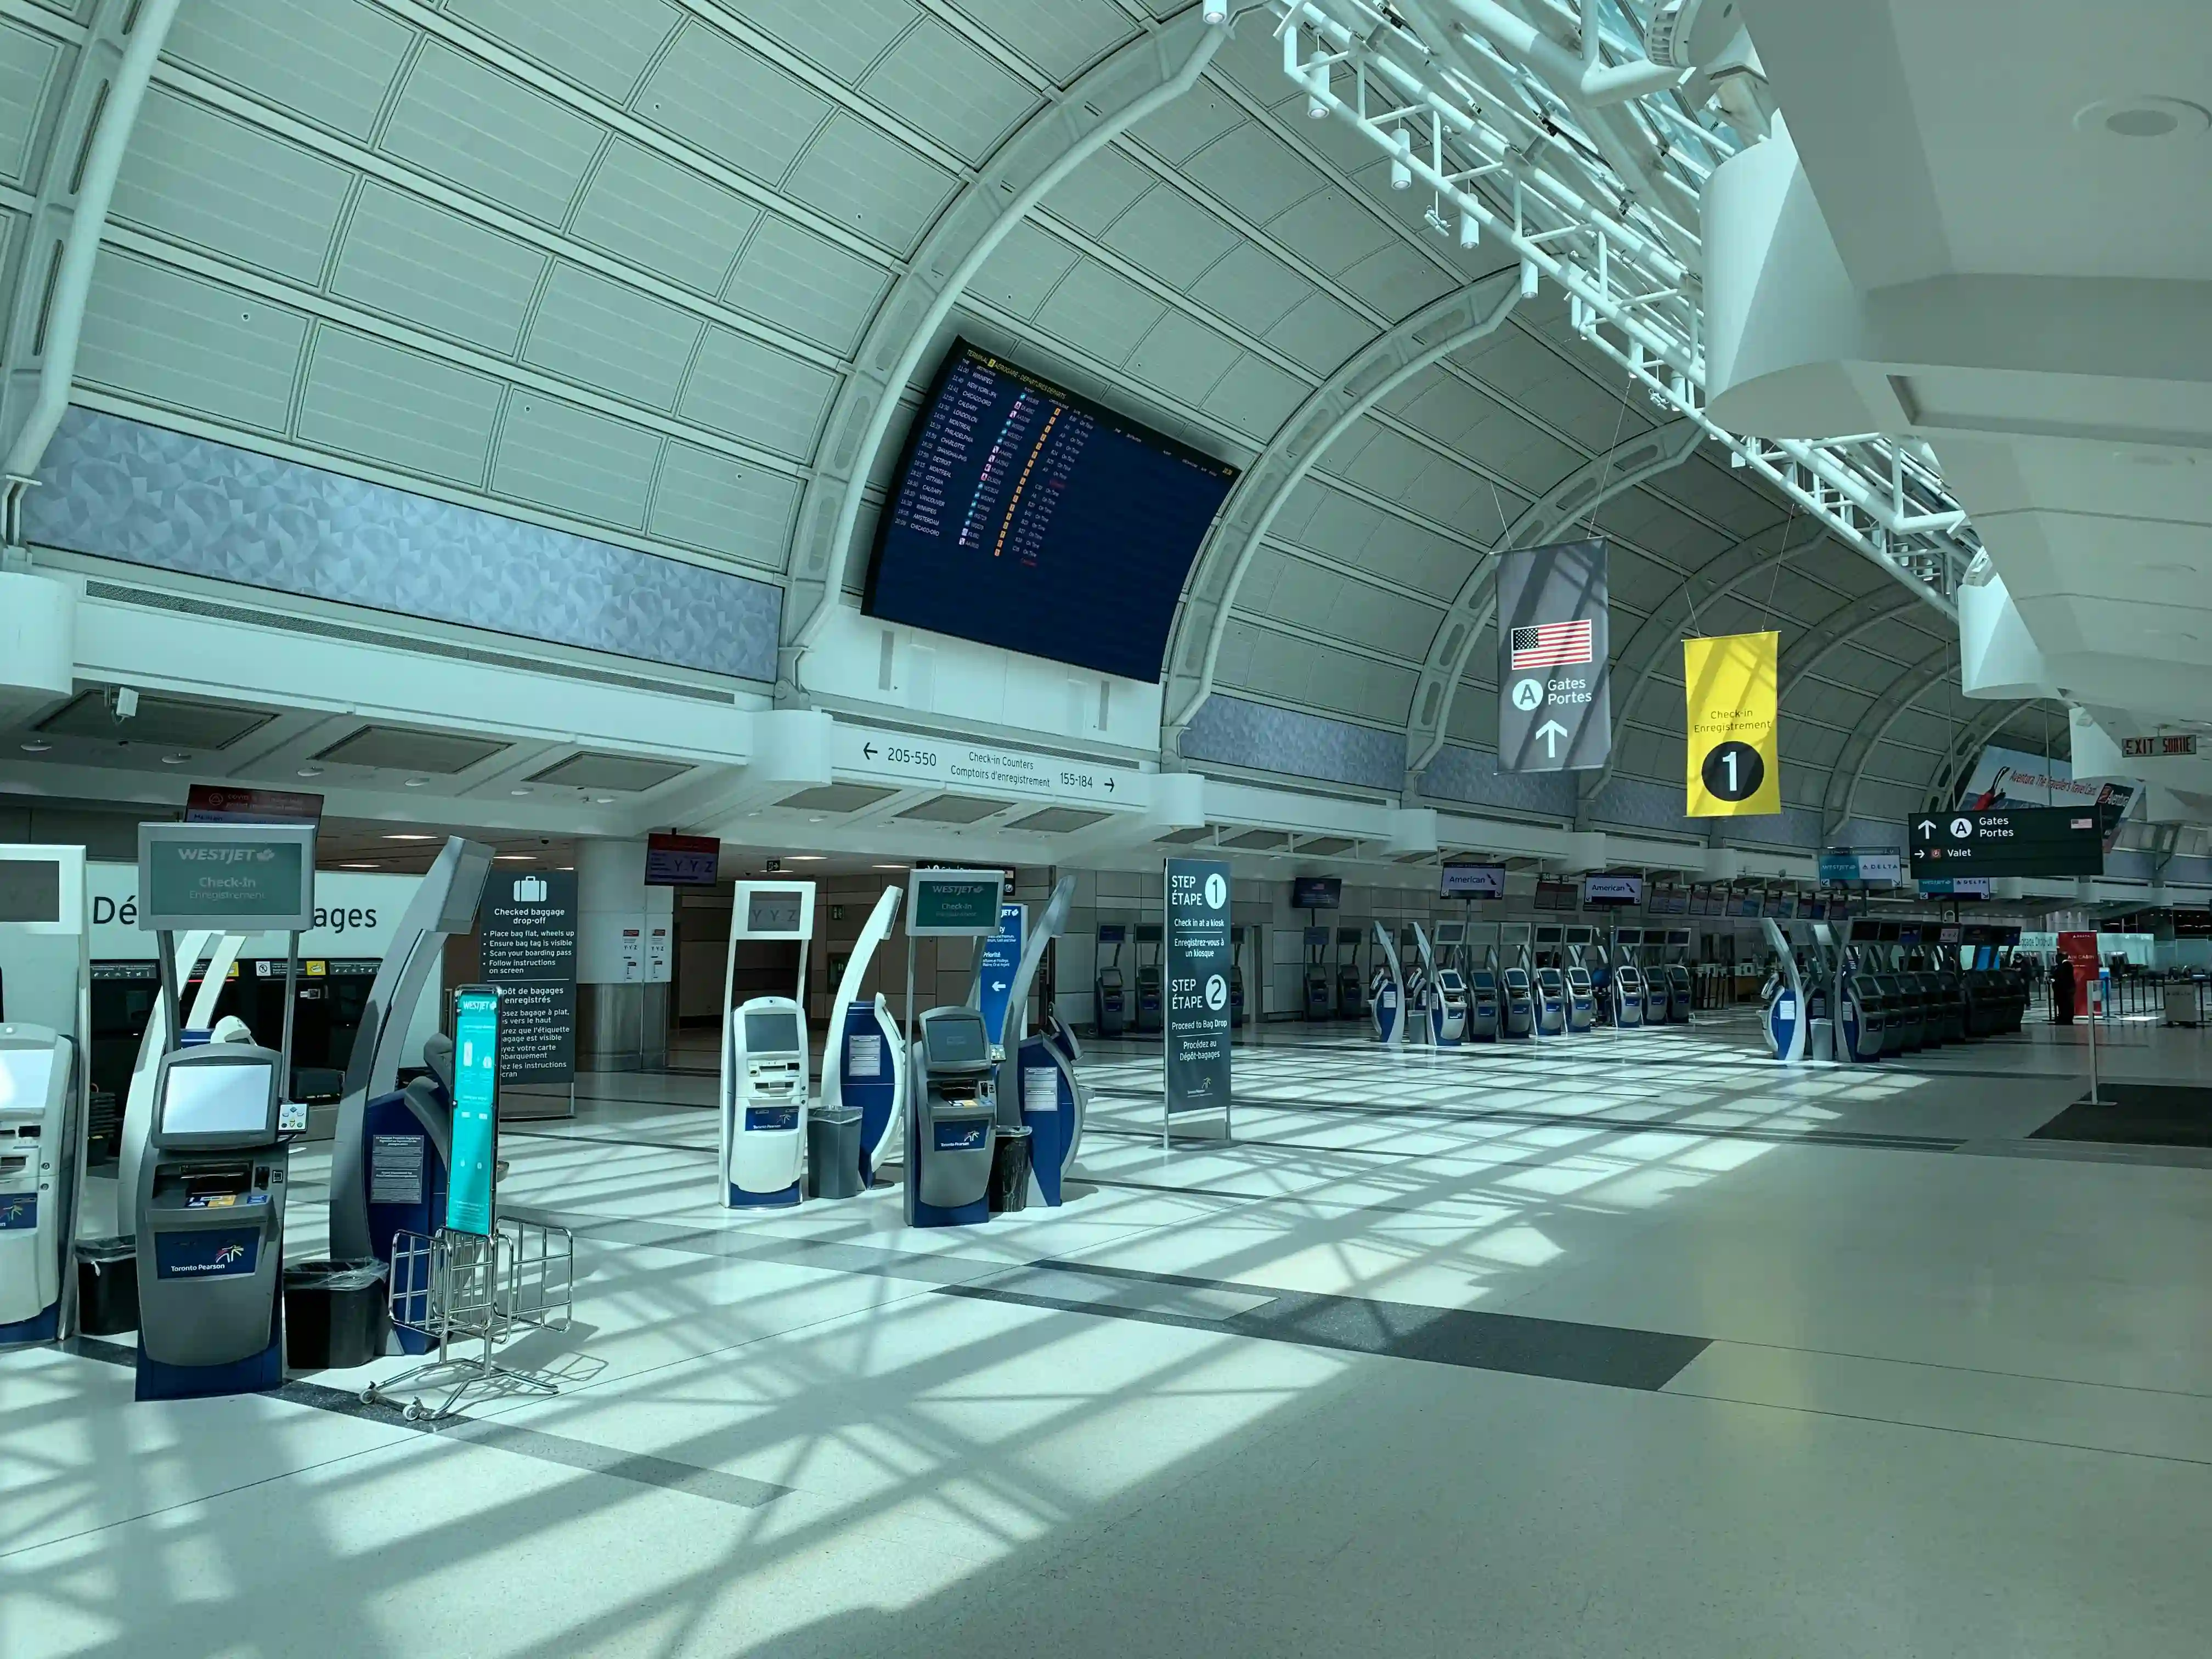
[{"x": 1628, "y": 1344}]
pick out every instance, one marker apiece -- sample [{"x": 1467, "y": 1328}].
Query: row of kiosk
[
  {"x": 1122, "y": 1007},
  {"x": 1530, "y": 981},
  {"x": 1873, "y": 988}
]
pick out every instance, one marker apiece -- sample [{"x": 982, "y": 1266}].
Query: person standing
[{"x": 2062, "y": 990}]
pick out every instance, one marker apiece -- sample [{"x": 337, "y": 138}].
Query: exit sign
[{"x": 2164, "y": 745}]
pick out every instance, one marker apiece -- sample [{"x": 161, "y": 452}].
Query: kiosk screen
[
  {"x": 26, "y": 1073},
  {"x": 30, "y": 890},
  {"x": 772, "y": 913},
  {"x": 955, "y": 1042},
  {"x": 218, "y": 1100},
  {"x": 772, "y": 1030}
]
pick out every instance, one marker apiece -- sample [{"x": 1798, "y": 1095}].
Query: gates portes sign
[
  {"x": 1197, "y": 973},
  {"x": 2020, "y": 841},
  {"x": 1729, "y": 723},
  {"x": 1554, "y": 698}
]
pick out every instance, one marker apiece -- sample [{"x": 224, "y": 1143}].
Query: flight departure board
[{"x": 1027, "y": 517}]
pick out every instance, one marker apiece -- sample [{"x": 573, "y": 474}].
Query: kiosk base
[
  {"x": 38, "y": 1327},
  {"x": 781, "y": 1199},
  {"x": 260, "y": 1373},
  {"x": 931, "y": 1215}
]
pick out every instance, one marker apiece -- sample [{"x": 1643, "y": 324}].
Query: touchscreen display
[
  {"x": 217, "y": 1100},
  {"x": 772, "y": 1030}
]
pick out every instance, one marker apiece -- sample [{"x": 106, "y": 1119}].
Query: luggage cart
[{"x": 454, "y": 1287}]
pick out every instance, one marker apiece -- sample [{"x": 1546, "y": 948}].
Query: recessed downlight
[
  {"x": 175, "y": 760},
  {"x": 311, "y": 771},
  {"x": 37, "y": 746},
  {"x": 2142, "y": 117}
]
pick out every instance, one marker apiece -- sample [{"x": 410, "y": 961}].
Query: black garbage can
[
  {"x": 833, "y": 1154},
  {"x": 335, "y": 1315},
  {"x": 106, "y": 1286},
  {"x": 1010, "y": 1171}
]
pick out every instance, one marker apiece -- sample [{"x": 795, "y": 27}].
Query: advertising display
[
  {"x": 1197, "y": 977},
  {"x": 1317, "y": 893},
  {"x": 1554, "y": 641},
  {"x": 1734, "y": 760},
  {"x": 1024, "y": 516},
  {"x": 470, "y": 1204},
  {"x": 526, "y": 942},
  {"x": 1473, "y": 881}
]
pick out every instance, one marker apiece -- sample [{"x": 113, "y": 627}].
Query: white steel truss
[{"x": 1587, "y": 163}]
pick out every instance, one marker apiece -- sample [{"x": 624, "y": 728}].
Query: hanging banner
[
  {"x": 1197, "y": 972},
  {"x": 1554, "y": 641},
  {"x": 1735, "y": 762}
]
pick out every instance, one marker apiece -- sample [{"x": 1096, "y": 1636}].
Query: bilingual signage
[
  {"x": 212, "y": 803},
  {"x": 1197, "y": 976},
  {"x": 1002, "y": 954},
  {"x": 526, "y": 938},
  {"x": 1734, "y": 766},
  {"x": 240, "y": 877},
  {"x": 908, "y": 762},
  {"x": 2025, "y": 841},
  {"x": 468, "y": 1187},
  {"x": 1554, "y": 701},
  {"x": 955, "y": 904},
  {"x": 2164, "y": 746}
]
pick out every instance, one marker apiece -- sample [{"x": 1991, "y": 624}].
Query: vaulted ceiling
[{"x": 608, "y": 263}]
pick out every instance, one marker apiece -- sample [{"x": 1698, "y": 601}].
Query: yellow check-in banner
[{"x": 1734, "y": 765}]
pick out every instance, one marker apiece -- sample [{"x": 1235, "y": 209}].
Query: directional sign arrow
[
  {"x": 998, "y": 985},
  {"x": 1926, "y": 826},
  {"x": 868, "y": 751},
  {"x": 1110, "y": 786},
  {"x": 1550, "y": 731}
]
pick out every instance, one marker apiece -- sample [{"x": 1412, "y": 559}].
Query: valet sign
[{"x": 1198, "y": 965}]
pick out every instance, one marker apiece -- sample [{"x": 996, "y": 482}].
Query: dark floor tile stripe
[{"x": 1605, "y": 1355}]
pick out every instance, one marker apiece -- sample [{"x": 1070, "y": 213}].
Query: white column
[{"x": 622, "y": 1006}]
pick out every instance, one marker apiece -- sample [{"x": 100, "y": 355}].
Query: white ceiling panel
[
  {"x": 1305, "y": 673},
  {"x": 202, "y": 178},
  {"x": 939, "y": 84},
  {"x": 330, "y": 61},
  {"x": 1332, "y": 231},
  {"x": 27, "y": 61},
  {"x": 709, "y": 502},
  {"x": 1171, "y": 236},
  {"x": 604, "y": 44},
  {"x": 1320, "y": 333},
  {"x": 806, "y": 283},
  {"x": 872, "y": 183},
  {"x": 1023, "y": 269},
  {"x": 1183, "y": 358},
  {"x": 1251, "y": 288},
  {"x": 398, "y": 408},
  {"x": 1396, "y": 280},
  {"x": 1098, "y": 191},
  {"x": 601, "y": 334},
  {"x": 671, "y": 220},
  {"x": 473, "y": 127},
  {"x": 1100, "y": 312},
  {"x": 1255, "y": 397},
  {"x": 424, "y": 265},
  {"x": 732, "y": 103},
  {"x": 194, "y": 345},
  {"x": 574, "y": 460},
  {"x": 1189, "y": 124},
  {"x": 754, "y": 393},
  {"x": 1060, "y": 39},
  {"x": 1255, "y": 173},
  {"x": 843, "y": 38}
]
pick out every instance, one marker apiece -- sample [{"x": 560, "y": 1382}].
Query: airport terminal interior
[{"x": 977, "y": 828}]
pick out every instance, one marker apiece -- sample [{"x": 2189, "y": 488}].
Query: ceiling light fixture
[
  {"x": 37, "y": 746},
  {"x": 804, "y": 857},
  {"x": 361, "y": 867},
  {"x": 416, "y": 783},
  {"x": 311, "y": 771},
  {"x": 517, "y": 792},
  {"x": 175, "y": 760},
  {"x": 2145, "y": 117},
  {"x": 409, "y": 835},
  {"x": 603, "y": 800},
  {"x": 515, "y": 858}
]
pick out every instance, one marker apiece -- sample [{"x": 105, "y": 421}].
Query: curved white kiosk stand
[
  {"x": 861, "y": 1068},
  {"x": 763, "y": 1094}
]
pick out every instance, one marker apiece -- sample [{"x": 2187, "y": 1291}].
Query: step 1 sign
[
  {"x": 1197, "y": 971},
  {"x": 1734, "y": 763},
  {"x": 2021, "y": 841},
  {"x": 1554, "y": 699}
]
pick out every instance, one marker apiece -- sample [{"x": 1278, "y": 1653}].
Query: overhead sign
[
  {"x": 2012, "y": 777},
  {"x": 241, "y": 878},
  {"x": 953, "y": 903},
  {"x": 2164, "y": 746},
  {"x": 1965, "y": 887},
  {"x": 672, "y": 861},
  {"x": 211, "y": 803},
  {"x": 1002, "y": 954},
  {"x": 1734, "y": 766},
  {"x": 1554, "y": 699},
  {"x": 2028, "y": 840},
  {"x": 1465, "y": 881},
  {"x": 469, "y": 1201},
  {"x": 1844, "y": 866},
  {"x": 526, "y": 940},
  {"x": 907, "y": 762},
  {"x": 1197, "y": 967},
  {"x": 1602, "y": 892}
]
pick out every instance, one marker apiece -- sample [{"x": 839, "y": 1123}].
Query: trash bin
[
  {"x": 335, "y": 1315},
  {"x": 1010, "y": 1171},
  {"x": 833, "y": 1154},
  {"x": 106, "y": 1286}
]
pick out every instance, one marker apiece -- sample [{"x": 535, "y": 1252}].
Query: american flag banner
[{"x": 1552, "y": 645}]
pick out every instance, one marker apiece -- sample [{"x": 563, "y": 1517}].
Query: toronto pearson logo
[{"x": 229, "y": 1254}]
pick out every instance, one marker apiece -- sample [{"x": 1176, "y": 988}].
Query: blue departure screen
[{"x": 1026, "y": 517}]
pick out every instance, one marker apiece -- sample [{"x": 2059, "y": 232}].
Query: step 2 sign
[{"x": 2038, "y": 841}]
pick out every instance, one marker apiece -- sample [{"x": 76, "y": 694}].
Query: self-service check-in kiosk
[
  {"x": 1110, "y": 998},
  {"x": 764, "y": 1056},
  {"x": 1151, "y": 994},
  {"x": 209, "y": 1202},
  {"x": 952, "y": 1118},
  {"x": 1386, "y": 1000},
  {"x": 1581, "y": 995},
  {"x": 861, "y": 1066},
  {"x": 1351, "y": 985},
  {"x": 1629, "y": 1000},
  {"x": 1316, "y": 982},
  {"x": 1447, "y": 1015},
  {"x": 45, "y": 1086},
  {"x": 1037, "y": 1087}
]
